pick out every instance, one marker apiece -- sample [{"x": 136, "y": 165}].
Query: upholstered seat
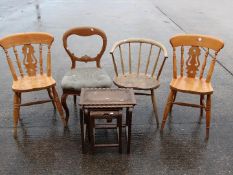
[{"x": 92, "y": 77}]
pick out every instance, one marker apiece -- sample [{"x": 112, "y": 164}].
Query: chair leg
[
  {"x": 167, "y": 108},
  {"x": 63, "y": 102},
  {"x": 208, "y": 114},
  {"x": 51, "y": 97},
  {"x": 16, "y": 108},
  {"x": 58, "y": 105},
  {"x": 153, "y": 99},
  {"x": 201, "y": 103},
  {"x": 174, "y": 99},
  {"x": 75, "y": 99}
]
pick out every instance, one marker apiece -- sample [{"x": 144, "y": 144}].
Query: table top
[{"x": 107, "y": 97}]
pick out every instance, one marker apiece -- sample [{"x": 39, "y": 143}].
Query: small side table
[{"x": 102, "y": 99}]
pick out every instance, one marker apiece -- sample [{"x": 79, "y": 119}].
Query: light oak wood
[
  {"x": 83, "y": 32},
  {"x": 140, "y": 78},
  {"x": 190, "y": 82},
  {"x": 30, "y": 78}
]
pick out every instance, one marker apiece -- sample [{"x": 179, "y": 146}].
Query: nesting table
[{"x": 97, "y": 101}]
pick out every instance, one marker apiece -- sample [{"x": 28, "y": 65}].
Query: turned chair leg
[
  {"x": 58, "y": 105},
  {"x": 75, "y": 99},
  {"x": 63, "y": 102},
  {"x": 201, "y": 103},
  {"x": 153, "y": 99},
  {"x": 16, "y": 108},
  {"x": 167, "y": 108},
  {"x": 208, "y": 114},
  {"x": 174, "y": 99},
  {"x": 51, "y": 97}
]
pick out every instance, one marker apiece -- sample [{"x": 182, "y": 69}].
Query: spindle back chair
[
  {"x": 149, "y": 57},
  {"x": 28, "y": 70},
  {"x": 195, "y": 72}
]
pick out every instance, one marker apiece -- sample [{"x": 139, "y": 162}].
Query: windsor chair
[
  {"x": 88, "y": 77},
  {"x": 190, "y": 82},
  {"x": 30, "y": 74},
  {"x": 145, "y": 75}
]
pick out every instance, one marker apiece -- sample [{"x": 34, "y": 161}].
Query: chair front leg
[
  {"x": 17, "y": 100},
  {"x": 153, "y": 99},
  {"x": 63, "y": 102},
  {"x": 58, "y": 105},
  {"x": 167, "y": 108},
  {"x": 208, "y": 114},
  {"x": 174, "y": 99}
]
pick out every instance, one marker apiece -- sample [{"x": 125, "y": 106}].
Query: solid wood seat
[
  {"x": 140, "y": 82},
  {"x": 149, "y": 56},
  {"x": 197, "y": 52},
  {"x": 31, "y": 71},
  {"x": 37, "y": 82},
  {"x": 191, "y": 85}
]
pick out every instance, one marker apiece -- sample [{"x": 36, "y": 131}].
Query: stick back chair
[
  {"x": 28, "y": 69},
  {"x": 192, "y": 71},
  {"x": 139, "y": 65},
  {"x": 88, "y": 77}
]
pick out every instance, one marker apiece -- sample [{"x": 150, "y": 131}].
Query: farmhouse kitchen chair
[
  {"x": 29, "y": 73},
  {"x": 192, "y": 71},
  {"x": 88, "y": 77},
  {"x": 138, "y": 64}
]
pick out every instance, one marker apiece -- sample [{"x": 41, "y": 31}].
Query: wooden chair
[
  {"x": 30, "y": 74},
  {"x": 88, "y": 77},
  {"x": 145, "y": 54},
  {"x": 188, "y": 81}
]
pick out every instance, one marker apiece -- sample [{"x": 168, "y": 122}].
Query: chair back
[
  {"x": 193, "y": 47},
  {"x": 84, "y": 32},
  {"x": 138, "y": 55},
  {"x": 28, "y": 61}
]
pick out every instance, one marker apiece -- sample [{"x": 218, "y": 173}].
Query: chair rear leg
[
  {"x": 167, "y": 108},
  {"x": 201, "y": 103},
  {"x": 58, "y": 105},
  {"x": 16, "y": 108},
  {"x": 208, "y": 115},
  {"x": 153, "y": 99},
  {"x": 51, "y": 97}
]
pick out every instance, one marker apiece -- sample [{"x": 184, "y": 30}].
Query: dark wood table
[{"x": 102, "y": 99}]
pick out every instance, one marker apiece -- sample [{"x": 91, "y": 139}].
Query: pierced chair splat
[
  {"x": 138, "y": 64},
  {"x": 201, "y": 52},
  {"x": 85, "y": 77},
  {"x": 28, "y": 71}
]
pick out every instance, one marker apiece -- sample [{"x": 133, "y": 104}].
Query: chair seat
[
  {"x": 33, "y": 83},
  {"x": 141, "y": 81},
  {"x": 79, "y": 78},
  {"x": 191, "y": 85}
]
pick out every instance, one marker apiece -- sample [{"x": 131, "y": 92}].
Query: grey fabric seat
[{"x": 91, "y": 77}]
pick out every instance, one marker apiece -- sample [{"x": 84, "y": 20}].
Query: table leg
[
  {"x": 129, "y": 123},
  {"x": 81, "y": 125},
  {"x": 119, "y": 120}
]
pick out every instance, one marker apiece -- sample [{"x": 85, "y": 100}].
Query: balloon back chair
[
  {"x": 83, "y": 77},
  {"x": 201, "y": 53},
  {"x": 28, "y": 70},
  {"x": 138, "y": 64}
]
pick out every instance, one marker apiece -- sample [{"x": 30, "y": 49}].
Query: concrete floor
[{"x": 42, "y": 146}]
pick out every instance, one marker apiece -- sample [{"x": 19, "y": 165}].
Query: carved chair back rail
[{"x": 29, "y": 64}]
